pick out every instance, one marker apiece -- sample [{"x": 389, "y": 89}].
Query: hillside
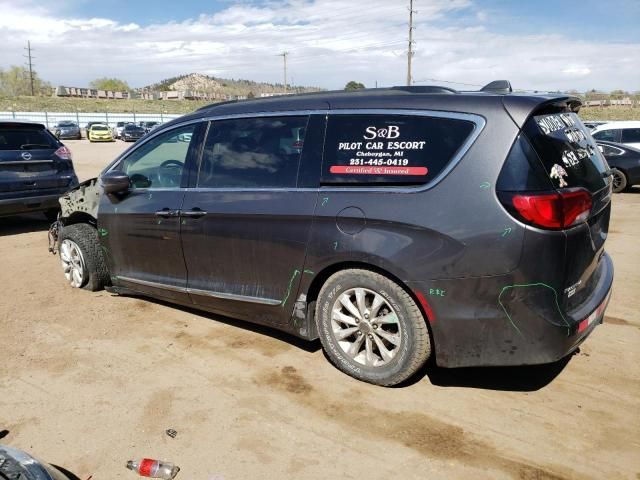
[{"x": 204, "y": 83}]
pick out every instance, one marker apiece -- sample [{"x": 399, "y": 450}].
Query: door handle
[
  {"x": 193, "y": 213},
  {"x": 167, "y": 213}
]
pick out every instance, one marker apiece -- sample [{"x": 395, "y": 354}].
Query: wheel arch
[
  {"x": 321, "y": 277},
  {"x": 80, "y": 217}
]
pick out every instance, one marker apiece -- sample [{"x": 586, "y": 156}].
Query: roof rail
[
  {"x": 425, "y": 89},
  {"x": 498, "y": 86},
  {"x": 211, "y": 105}
]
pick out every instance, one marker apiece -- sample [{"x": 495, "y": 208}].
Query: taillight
[
  {"x": 556, "y": 210},
  {"x": 64, "y": 153}
]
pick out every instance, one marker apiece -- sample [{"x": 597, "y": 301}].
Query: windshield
[
  {"x": 66, "y": 124},
  {"x": 99, "y": 128}
]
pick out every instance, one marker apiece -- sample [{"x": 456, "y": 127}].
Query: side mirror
[{"x": 115, "y": 182}]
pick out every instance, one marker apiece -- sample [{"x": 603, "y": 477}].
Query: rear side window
[
  {"x": 253, "y": 152},
  {"x": 608, "y": 135},
  {"x": 390, "y": 149},
  {"x": 567, "y": 151},
  {"x": 631, "y": 135},
  {"x": 16, "y": 137}
]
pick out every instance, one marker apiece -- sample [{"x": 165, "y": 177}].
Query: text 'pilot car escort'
[{"x": 394, "y": 224}]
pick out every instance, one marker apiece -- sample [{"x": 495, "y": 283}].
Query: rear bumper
[
  {"x": 500, "y": 321},
  {"x": 36, "y": 203}
]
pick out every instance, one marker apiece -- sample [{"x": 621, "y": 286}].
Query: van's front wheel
[
  {"x": 82, "y": 261},
  {"x": 371, "y": 328}
]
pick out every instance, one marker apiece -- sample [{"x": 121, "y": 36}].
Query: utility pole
[
  {"x": 29, "y": 57},
  {"x": 284, "y": 57},
  {"x": 410, "y": 50}
]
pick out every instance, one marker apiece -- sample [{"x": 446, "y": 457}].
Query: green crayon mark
[
  {"x": 310, "y": 272},
  {"x": 103, "y": 232},
  {"x": 335, "y": 245},
  {"x": 539, "y": 284},
  {"x": 437, "y": 292},
  {"x": 485, "y": 185},
  {"x": 506, "y": 232},
  {"x": 325, "y": 200},
  {"x": 286, "y": 296}
]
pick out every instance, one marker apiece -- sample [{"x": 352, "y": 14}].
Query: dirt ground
[{"x": 90, "y": 380}]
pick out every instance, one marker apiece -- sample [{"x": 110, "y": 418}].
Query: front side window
[
  {"x": 253, "y": 152},
  {"x": 390, "y": 149},
  {"x": 159, "y": 163}
]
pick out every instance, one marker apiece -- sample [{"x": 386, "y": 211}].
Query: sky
[{"x": 541, "y": 45}]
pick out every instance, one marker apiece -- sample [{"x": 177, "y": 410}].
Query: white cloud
[{"x": 330, "y": 42}]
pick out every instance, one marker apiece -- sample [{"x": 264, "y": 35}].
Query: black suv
[
  {"x": 35, "y": 169},
  {"x": 393, "y": 224},
  {"x": 132, "y": 132}
]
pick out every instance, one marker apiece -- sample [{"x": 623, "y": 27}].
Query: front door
[
  {"x": 140, "y": 229},
  {"x": 245, "y": 227}
]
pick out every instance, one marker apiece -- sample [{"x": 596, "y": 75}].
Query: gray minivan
[{"x": 393, "y": 224}]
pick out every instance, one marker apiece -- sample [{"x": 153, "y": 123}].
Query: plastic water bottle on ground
[{"x": 147, "y": 467}]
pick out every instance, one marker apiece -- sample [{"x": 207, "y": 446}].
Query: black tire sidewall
[
  {"x": 380, "y": 285},
  {"x": 623, "y": 183},
  {"x": 85, "y": 236}
]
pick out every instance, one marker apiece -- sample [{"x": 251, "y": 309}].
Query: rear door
[
  {"x": 572, "y": 161},
  {"x": 29, "y": 164},
  {"x": 246, "y": 225}
]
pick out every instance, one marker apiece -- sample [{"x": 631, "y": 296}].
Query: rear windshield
[
  {"x": 567, "y": 151},
  {"x": 25, "y": 138},
  {"x": 390, "y": 149}
]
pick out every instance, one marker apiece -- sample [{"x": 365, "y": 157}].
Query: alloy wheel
[
  {"x": 366, "y": 327},
  {"x": 72, "y": 263}
]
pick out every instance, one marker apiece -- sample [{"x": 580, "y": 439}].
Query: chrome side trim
[
  {"x": 203, "y": 293},
  {"x": 231, "y": 296},
  {"x": 147, "y": 283}
]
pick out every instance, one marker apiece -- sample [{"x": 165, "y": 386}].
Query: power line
[
  {"x": 30, "y": 60},
  {"x": 410, "y": 49}
]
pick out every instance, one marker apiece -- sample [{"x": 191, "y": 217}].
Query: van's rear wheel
[
  {"x": 619, "y": 180},
  {"x": 82, "y": 261},
  {"x": 371, "y": 328}
]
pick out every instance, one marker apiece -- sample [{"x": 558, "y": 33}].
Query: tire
[
  {"x": 620, "y": 181},
  {"x": 80, "y": 250},
  {"x": 410, "y": 348},
  {"x": 51, "y": 214}
]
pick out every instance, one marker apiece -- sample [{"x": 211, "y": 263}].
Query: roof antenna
[{"x": 498, "y": 86}]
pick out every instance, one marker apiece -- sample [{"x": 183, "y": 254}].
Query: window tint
[
  {"x": 25, "y": 138},
  {"x": 631, "y": 135},
  {"x": 252, "y": 152},
  {"x": 608, "y": 135},
  {"x": 390, "y": 149},
  {"x": 159, "y": 162},
  {"x": 568, "y": 153}
]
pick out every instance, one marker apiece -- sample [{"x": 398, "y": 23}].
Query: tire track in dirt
[{"x": 430, "y": 437}]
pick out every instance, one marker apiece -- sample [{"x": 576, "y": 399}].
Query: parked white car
[{"x": 627, "y": 132}]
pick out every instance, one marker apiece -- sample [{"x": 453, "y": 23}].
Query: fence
[{"x": 50, "y": 119}]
